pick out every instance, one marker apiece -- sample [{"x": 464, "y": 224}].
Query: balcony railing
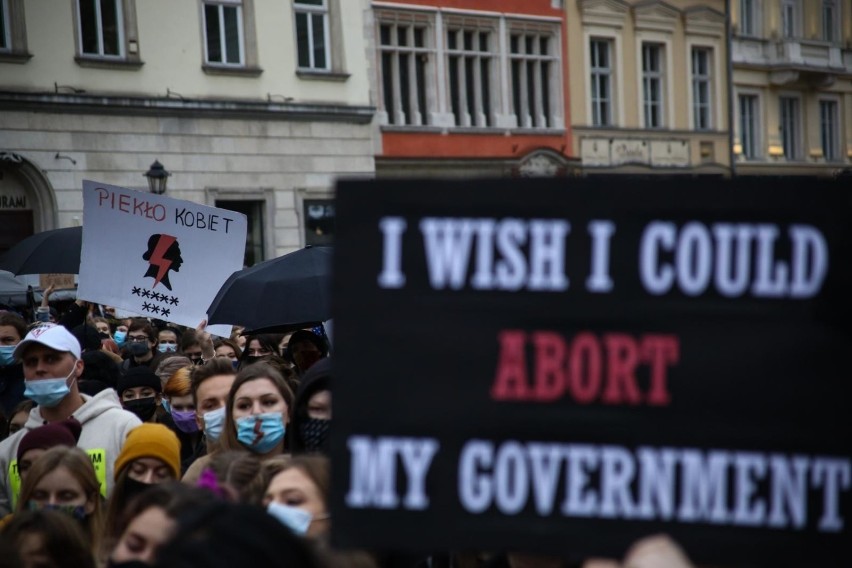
[{"x": 798, "y": 54}]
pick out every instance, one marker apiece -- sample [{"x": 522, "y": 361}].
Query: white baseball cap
[{"x": 55, "y": 337}]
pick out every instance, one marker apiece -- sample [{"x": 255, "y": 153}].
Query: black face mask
[
  {"x": 127, "y": 564},
  {"x": 256, "y": 358},
  {"x": 132, "y": 488},
  {"x": 314, "y": 434},
  {"x": 144, "y": 408},
  {"x": 138, "y": 348}
]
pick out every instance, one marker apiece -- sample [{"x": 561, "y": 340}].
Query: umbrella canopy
[
  {"x": 13, "y": 291},
  {"x": 287, "y": 292},
  {"x": 56, "y": 251}
]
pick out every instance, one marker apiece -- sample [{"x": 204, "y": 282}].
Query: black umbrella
[
  {"x": 56, "y": 251},
  {"x": 287, "y": 292}
]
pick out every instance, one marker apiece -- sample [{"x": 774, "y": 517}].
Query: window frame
[
  {"x": 829, "y": 137},
  {"x": 439, "y": 107},
  {"x": 311, "y": 11},
  {"x": 328, "y": 212},
  {"x": 130, "y": 59},
  {"x": 547, "y": 109},
  {"x": 394, "y": 51},
  {"x": 241, "y": 34},
  {"x": 792, "y": 137},
  {"x": 262, "y": 196},
  {"x": 601, "y": 74},
  {"x": 791, "y": 26},
  {"x": 120, "y": 25},
  {"x": 752, "y": 143},
  {"x": 702, "y": 79},
  {"x": 650, "y": 77},
  {"x": 484, "y": 101},
  {"x": 750, "y": 24},
  {"x": 6, "y": 28},
  {"x": 830, "y": 32}
]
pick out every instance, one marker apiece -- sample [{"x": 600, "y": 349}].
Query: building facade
[
  {"x": 253, "y": 105},
  {"x": 792, "y": 76},
  {"x": 471, "y": 88},
  {"x": 649, "y": 88}
]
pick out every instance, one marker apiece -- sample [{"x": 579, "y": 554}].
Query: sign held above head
[{"x": 140, "y": 254}]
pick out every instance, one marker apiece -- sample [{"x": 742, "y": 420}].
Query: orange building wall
[
  {"x": 436, "y": 145},
  {"x": 469, "y": 145},
  {"x": 534, "y": 7}
]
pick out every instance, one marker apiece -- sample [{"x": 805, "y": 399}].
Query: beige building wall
[
  {"x": 169, "y": 40},
  {"x": 278, "y": 163},
  {"x": 783, "y": 51},
  {"x": 264, "y": 133},
  {"x": 625, "y": 141}
]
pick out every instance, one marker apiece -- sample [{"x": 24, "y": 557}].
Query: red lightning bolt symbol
[
  {"x": 257, "y": 430},
  {"x": 157, "y": 257}
]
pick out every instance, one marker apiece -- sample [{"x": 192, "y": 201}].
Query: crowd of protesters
[{"x": 132, "y": 442}]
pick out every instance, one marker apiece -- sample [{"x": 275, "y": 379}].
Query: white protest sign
[{"x": 160, "y": 257}]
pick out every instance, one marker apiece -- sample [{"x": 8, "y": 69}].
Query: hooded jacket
[
  {"x": 316, "y": 379},
  {"x": 105, "y": 427}
]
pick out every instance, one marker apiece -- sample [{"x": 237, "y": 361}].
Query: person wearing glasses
[{"x": 141, "y": 346}]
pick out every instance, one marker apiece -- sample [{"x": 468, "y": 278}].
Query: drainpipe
[{"x": 729, "y": 41}]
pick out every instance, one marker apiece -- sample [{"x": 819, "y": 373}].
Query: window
[
  {"x": 254, "y": 212},
  {"x": 469, "y": 69},
  {"x": 101, "y": 28},
  {"x": 790, "y": 18},
  {"x": 105, "y": 33},
  {"x": 749, "y": 125},
  {"x": 701, "y": 89},
  {"x": 532, "y": 65},
  {"x": 5, "y": 31},
  {"x": 652, "y": 84},
  {"x": 312, "y": 34},
  {"x": 828, "y": 131},
  {"x": 13, "y": 35},
  {"x": 223, "y": 33},
  {"x": 601, "y": 66},
  {"x": 319, "y": 221},
  {"x": 748, "y": 17},
  {"x": 406, "y": 60},
  {"x": 830, "y": 20},
  {"x": 790, "y": 129}
]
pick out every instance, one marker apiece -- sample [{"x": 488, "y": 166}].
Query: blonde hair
[{"x": 79, "y": 465}]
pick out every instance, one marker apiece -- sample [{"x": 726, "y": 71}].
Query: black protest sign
[{"x": 567, "y": 366}]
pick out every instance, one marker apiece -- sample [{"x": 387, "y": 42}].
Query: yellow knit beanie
[{"x": 150, "y": 441}]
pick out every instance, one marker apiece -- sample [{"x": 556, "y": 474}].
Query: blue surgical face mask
[
  {"x": 297, "y": 520},
  {"x": 49, "y": 392},
  {"x": 120, "y": 338},
  {"x": 6, "y": 352},
  {"x": 213, "y": 423},
  {"x": 167, "y": 347},
  {"x": 261, "y": 432}
]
